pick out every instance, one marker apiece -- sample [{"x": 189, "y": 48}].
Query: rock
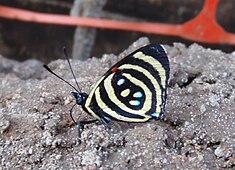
[
  {"x": 4, "y": 123},
  {"x": 219, "y": 152},
  {"x": 29, "y": 69}
]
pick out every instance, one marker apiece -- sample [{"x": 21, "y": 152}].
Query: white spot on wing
[
  {"x": 134, "y": 102},
  {"x": 125, "y": 92},
  {"x": 120, "y": 82},
  {"x": 137, "y": 94}
]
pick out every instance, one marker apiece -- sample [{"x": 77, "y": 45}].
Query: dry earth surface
[{"x": 196, "y": 133}]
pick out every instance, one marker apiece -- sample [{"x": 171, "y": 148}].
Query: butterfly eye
[{"x": 79, "y": 98}]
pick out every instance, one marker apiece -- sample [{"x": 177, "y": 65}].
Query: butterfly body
[{"x": 133, "y": 90}]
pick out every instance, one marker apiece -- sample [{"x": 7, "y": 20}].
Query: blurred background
[{"x": 26, "y": 40}]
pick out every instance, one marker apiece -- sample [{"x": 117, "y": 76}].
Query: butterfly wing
[{"x": 134, "y": 89}]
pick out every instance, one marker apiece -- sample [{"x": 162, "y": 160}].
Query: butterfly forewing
[{"x": 133, "y": 90}]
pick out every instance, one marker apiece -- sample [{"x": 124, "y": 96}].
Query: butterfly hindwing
[{"x": 134, "y": 89}]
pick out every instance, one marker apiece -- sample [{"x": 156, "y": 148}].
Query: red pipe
[{"x": 203, "y": 27}]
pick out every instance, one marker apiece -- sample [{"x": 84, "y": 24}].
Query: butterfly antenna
[
  {"x": 48, "y": 69},
  {"x": 67, "y": 58}
]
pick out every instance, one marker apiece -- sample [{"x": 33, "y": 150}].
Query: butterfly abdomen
[{"x": 133, "y": 90}]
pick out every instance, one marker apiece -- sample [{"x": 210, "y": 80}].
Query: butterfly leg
[
  {"x": 106, "y": 122},
  {"x": 80, "y": 124}
]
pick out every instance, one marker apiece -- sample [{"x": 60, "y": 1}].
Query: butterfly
[{"x": 133, "y": 90}]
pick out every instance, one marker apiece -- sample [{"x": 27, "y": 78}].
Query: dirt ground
[{"x": 196, "y": 133}]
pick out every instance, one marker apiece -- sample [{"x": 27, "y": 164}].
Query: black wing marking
[{"x": 134, "y": 89}]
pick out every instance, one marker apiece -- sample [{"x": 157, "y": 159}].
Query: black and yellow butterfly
[{"x": 133, "y": 90}]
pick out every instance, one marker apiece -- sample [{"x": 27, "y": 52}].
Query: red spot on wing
[{"x": 114, "y": 69}]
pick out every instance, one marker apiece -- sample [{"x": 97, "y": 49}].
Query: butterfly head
[{"x": 80, "y": 97}]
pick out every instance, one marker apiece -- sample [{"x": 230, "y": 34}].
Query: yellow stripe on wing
[
  {"x": 155, "y": 63},
  {"x": 152, "y": 80},
  {"x": 111, "y": 93},
  {"x": 89, "y": 98},
  {"x": 114, "y": 114}
]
